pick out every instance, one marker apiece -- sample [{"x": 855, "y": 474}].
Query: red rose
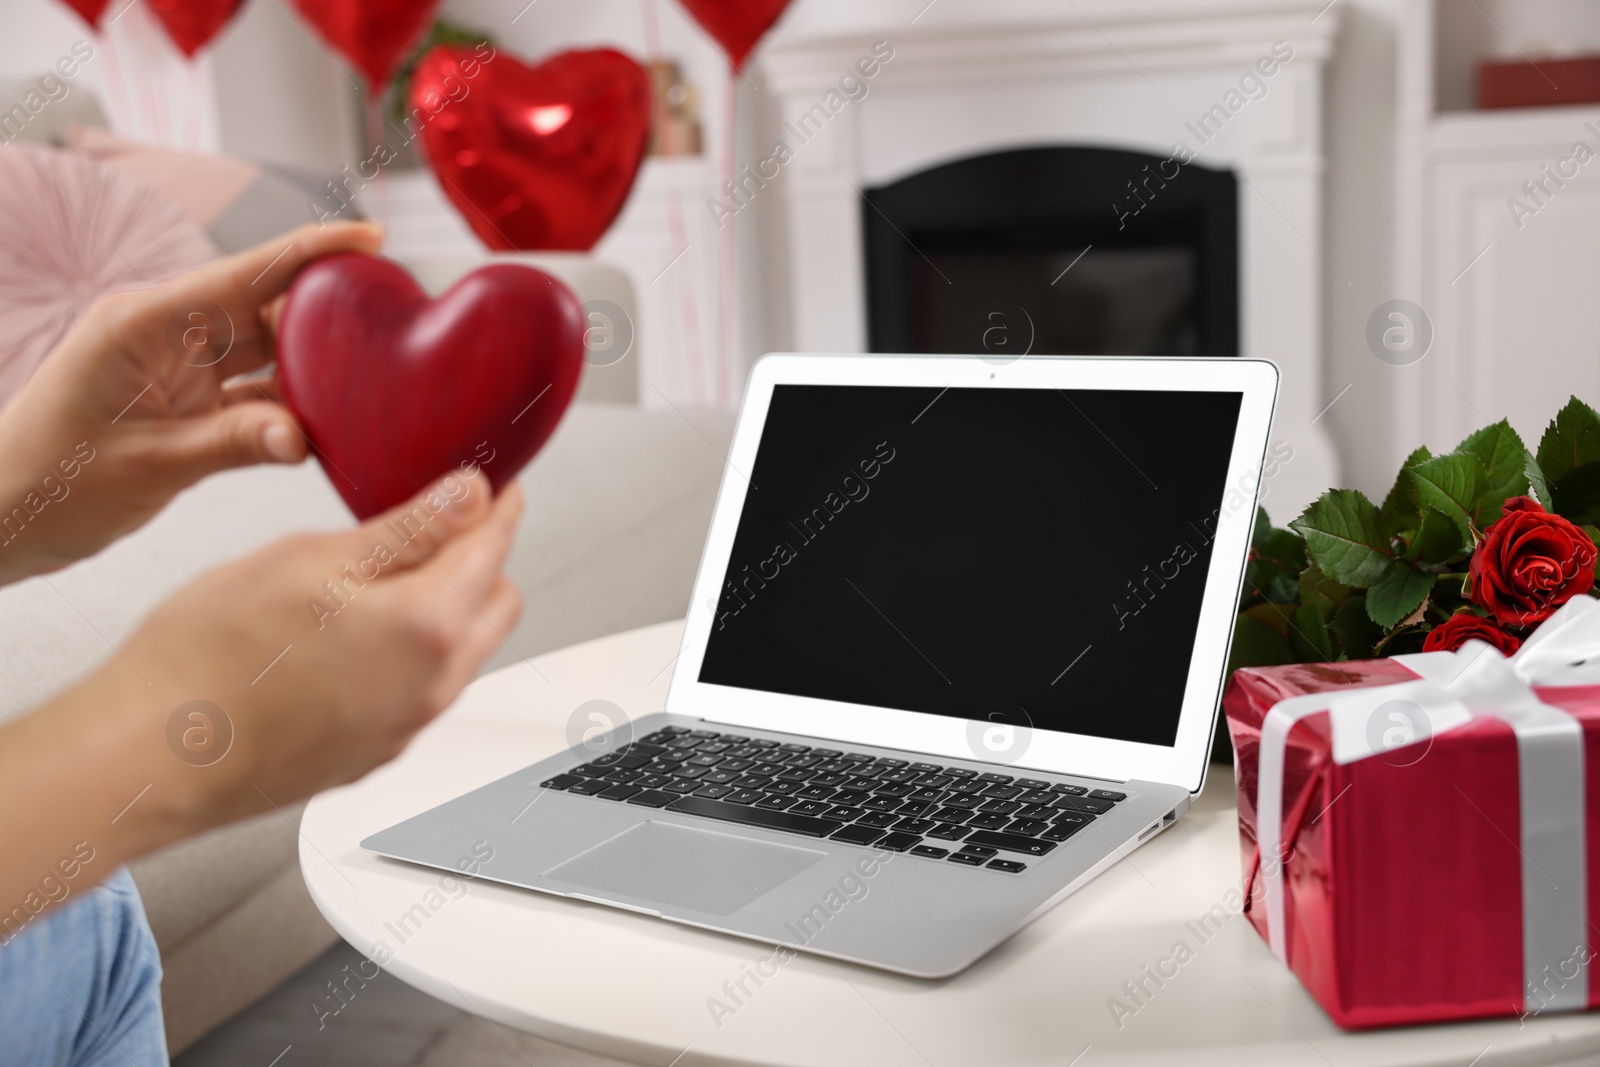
[
  {"x": 1530, "y": 563},
  {"x": 1464, "y": 626}
]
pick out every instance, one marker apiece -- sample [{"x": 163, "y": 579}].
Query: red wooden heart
[
  {"x": 373, "y": 34},
  {"x": 533, "y": 157},
  {"x": 192, "y": 23},
  {"x": 736, "y": 24},
  {"x": 395, "y": 389}
]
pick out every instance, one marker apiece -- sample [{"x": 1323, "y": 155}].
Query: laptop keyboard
[{"x": 940, "y": 813}]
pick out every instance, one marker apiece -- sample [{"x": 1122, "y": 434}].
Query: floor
[{"x": 387, "y": 1024}]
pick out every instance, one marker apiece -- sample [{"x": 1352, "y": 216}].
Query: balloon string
[
  {"x": 725, "y": 263},
  {"x": 380, "y": 185}
]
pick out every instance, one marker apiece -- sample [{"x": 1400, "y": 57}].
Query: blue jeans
[{"x": 80, "y": 986}]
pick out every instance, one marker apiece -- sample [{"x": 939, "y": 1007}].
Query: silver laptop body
[{"x": 915, "y": 830}]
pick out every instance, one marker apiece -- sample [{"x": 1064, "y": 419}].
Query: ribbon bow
[{"x": 1451, "y": 690}]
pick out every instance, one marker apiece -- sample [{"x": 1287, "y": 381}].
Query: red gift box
[{"x": 1451, "y": 877}]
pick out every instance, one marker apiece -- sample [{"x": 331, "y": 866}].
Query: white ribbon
[{"x": 1452, "y": 689}]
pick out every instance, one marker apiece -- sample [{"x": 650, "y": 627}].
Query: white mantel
[{"x": 1126, "y": 75}]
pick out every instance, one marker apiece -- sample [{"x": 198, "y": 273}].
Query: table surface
[{"x": 640, "y": 989}]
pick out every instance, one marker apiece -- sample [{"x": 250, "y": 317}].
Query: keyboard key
[
  {"x": 691, "y": 772},
  {"x": 1032, "y": 783},
  {"x": 737, "y": 764},
  {"x": 892, "y": 789},
  {"x": 743, "y": 752},
  {"x": 716, "y": 747},
  {"x": 923, "y": 793},
  {"x": 880, "y": 819},
  {"x": 704, "y": 735},
  {"x": 624, "y": 777},
  {"x": 927, "y": 768},
  {"x": 784, "y": 789},
  {"x": 1001, "y": 807},
  {"x": 703, "y": 761},
  {"x": 899, "y": 842},
  {"x": 1076, "y": 818},
  {"x": 836, "y": 766},
  {"x": 683, "y": 744},
  {"x": 857, "y": 835},
  {"x": 652, "y": 798},
  {"x": 1009, "y": 866},
  {"x": 850, "y": 796},
  {"x": 914, "y": 826},
  {"x": 590, "y": 787},
  {"x": 660, "y": 737},
  {"x": 951, "y": 815},
  {"x": 844, "y": 813},
  {"x": 997, "y": 779},
  {"x": 904, "y": 775},
  {"x": 948, "y": 831},
  {"x": 1002, "y": 792},
  {"x": 987, "y": 820},
  {"x": 1108, "y": 794},
  {"x": 720, "y": 777},
  {"x": 935, "y": 781},
  {"x": 856, "y": 757},
  {"x": 968, "y": 786},
  {"x": 1037, "y": 796},
  {"x": 1061, "y": 831},
  {"x": 755, "y": 816},
  {"x": 1089, "y": 804},
  {"x": 1036, "y": 811},
  {"x": 803, "y": 762},
  {"x": 715, "y": 792},
  {"x": 913, "y": 807},
  {"x": 761, "y": 742},
  {"x": 1027, "y": 827},
  {"x": 960, "y": 772},
  {"x": 1028, "y": 846},
  {"x": 681, "y": 785},
  {"x": 881, "y": 803},
  {"x": 933, "y": 852},
  {"x": 792, "y": 747},
  {"x": 826, "y": 753},
  {"x": 962, "y": 800},
  {"x": 737, "y": 739},
  {"x": 860, "y": 783},
  {"x": 1070, "y": 790},
  {"x": 816, "y": 792},
  {"x": 775, "y": 802},
  {"x": 810, "y": 807},
  {"x": 962, "y": 857},
  {"x": 744, "y": 796},
  {"x": 619, "y": 792},
  {"x": 561, "y": 781},
  {"x": 981, "y": 851},
  {"x": 827, "y": 779},
  {"x": 887, "y": 761},
  {"x": 794, "y": 774}
]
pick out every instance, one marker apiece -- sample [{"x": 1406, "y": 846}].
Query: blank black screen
[{"x": 959, "y": 551}]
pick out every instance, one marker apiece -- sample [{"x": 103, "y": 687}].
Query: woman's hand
[
  {"x": 135, "y": 405},
  {"x": 314, "y": 660}
]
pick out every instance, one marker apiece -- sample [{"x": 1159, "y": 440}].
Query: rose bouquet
[{"x": 1483, "y": 542}]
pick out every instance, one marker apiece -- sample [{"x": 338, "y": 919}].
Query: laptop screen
[{"x": 1028, "y": 556}]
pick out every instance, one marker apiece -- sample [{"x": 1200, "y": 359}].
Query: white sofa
[{"x": 618, "y": 505}]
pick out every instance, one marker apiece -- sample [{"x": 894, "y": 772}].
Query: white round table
[{"x": 643, "y": 990}]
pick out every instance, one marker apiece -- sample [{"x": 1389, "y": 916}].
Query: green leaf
[
  {"x": 1437, "y": 540},
  {"x": 1282, "y": 548},
  {"x": 1400, "y": 593},
  {"x": 1576, "y": 494},
  {"x": 1399, "y": 511},
  {"x": 1354, "y": 629},
  {"x": 1255, "y": 644},
  {"x": 1501, "y": 452},
  {"x": 1308, "y": 636},
  {"x": 1453, "y": 484},
  {"x": 1571, "y": 440},
  {"x": 1343, "y": 539},
  {"x": 1322, "y": 592},
  {"x": 1536, "y": 483}
]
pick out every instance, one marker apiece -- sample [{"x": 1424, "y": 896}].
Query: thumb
[
  {"x": 238, "y": 435},
  {"x": 419, "y": 527}
]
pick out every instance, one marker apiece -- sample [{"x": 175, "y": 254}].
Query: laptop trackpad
[{"x": 685, "y": 866}]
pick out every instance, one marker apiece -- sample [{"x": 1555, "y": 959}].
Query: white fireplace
[{"x": 1236, "y": 85}]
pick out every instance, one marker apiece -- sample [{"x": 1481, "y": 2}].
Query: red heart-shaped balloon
[
  {"x": 192, "y": 23},
  {"x": 533, "y": 157},
  {"x": 91, "y": 10},
  {"x": 395, "y": 389},
  {"x": 736, "y": 24},
  {"x": 373, "y": 34}
]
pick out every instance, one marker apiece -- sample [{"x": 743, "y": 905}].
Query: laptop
[{"x": 956, "y": 645}]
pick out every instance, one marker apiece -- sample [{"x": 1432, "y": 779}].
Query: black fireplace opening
[{"x": 1055, "y": 251}]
